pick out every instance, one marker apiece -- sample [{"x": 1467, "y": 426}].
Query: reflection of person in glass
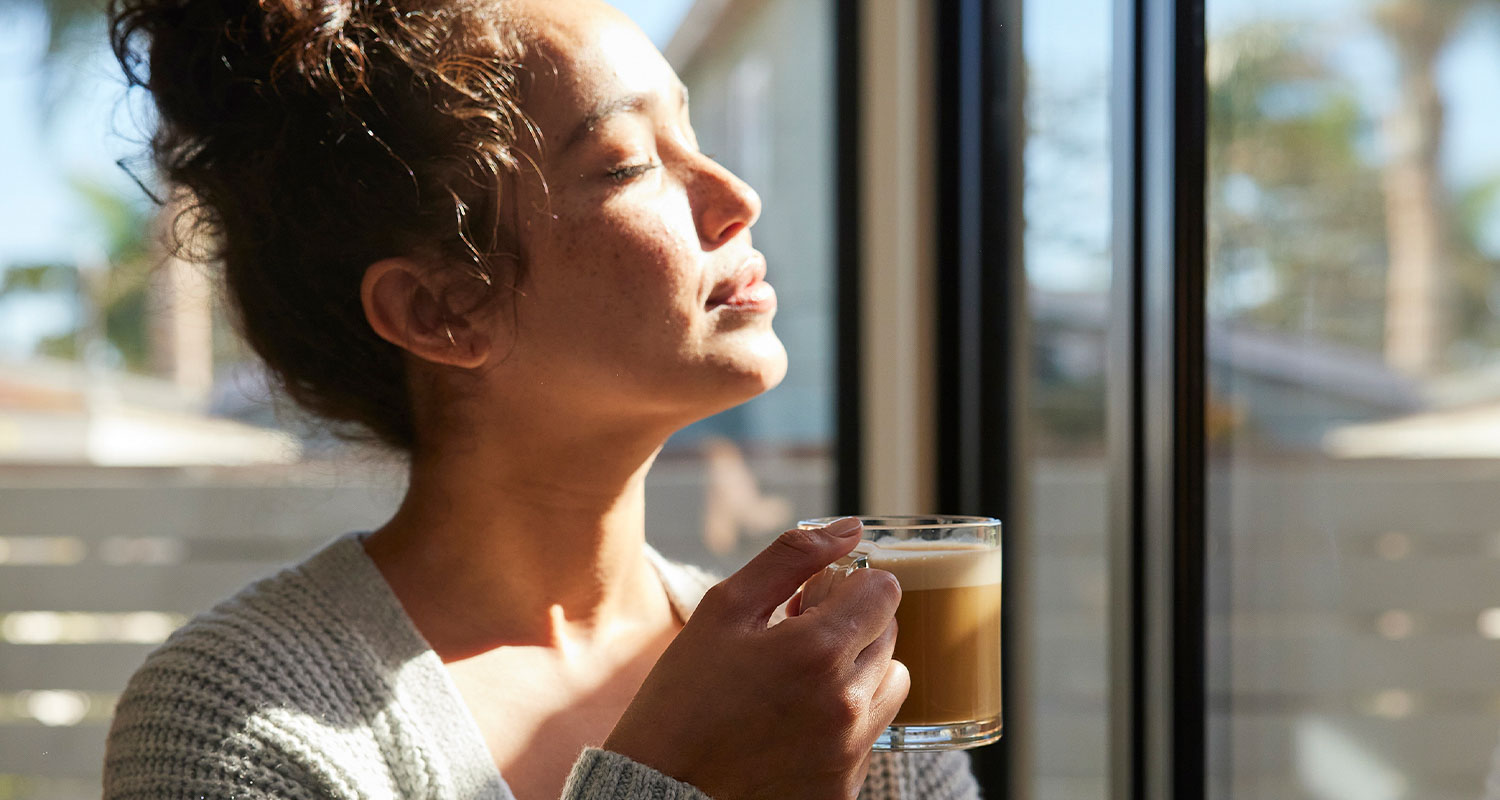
[
  {"x": 484, "y": 232},
  {"x": 733, "y": 500}
]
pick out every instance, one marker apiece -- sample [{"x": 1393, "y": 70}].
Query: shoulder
[
  {"x": 329, "y": 620},
  {"x": 233, "y": 702},
  {"x": 266, "y": 644}
]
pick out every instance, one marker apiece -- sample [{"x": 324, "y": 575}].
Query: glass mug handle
[{"x": 819, "y": 586}]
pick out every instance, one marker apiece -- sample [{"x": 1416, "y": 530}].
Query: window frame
[
  {"x": 1156, "y": 374},
  {"x": 981, "y": 304},
  {"x": 1156, "y": 402}
]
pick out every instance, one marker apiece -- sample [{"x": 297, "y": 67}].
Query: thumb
[{"x": 780, "y": 569}]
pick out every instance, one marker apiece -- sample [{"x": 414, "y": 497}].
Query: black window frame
[
  {"x": 1156, "y": 354},
  {"x": 981, "y": 292},
  {"x": 1156, "y": 402}
]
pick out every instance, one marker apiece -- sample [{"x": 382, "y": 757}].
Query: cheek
[{"x": 644, "y": 270}]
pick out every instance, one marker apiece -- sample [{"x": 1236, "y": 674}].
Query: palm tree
[{"x": 1417, "y": 323}]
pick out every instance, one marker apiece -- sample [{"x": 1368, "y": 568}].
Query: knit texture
[
  {"x": 609, "y": 774},
  {"x": 314, "y": 683}
]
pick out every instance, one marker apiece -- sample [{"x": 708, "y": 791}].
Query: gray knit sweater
[{"x": 314, "y": 683}]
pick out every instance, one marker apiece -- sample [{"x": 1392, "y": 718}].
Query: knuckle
[
  {"x": 715, "y": 598},
  {"x": 885, "y": 587},
  {"x": 799, "y": 542},
  {"x": 721, "y": 601},
  {"x": 900, "y": 678},
  {"x": 844, "y": 707}
]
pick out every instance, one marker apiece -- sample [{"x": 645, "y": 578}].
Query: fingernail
[{"x": 843, "y": 526}]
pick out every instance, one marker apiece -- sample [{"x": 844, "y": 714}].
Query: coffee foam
[{"x": 922, "y": 565}]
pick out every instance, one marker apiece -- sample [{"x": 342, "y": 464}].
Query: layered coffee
[{"x": 948, "y": 627}]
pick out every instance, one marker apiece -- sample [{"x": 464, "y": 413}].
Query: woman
[{"x": 484, "y": 232}]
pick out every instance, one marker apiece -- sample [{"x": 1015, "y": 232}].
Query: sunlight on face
[
  {"x": 644, "y": 297},
  {"x": 637, "y": 68}
]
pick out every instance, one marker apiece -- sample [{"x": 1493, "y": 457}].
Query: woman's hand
[{"x": 741, "y": 710}]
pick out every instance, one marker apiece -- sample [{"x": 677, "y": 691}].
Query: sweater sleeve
[
  {"x": 249, "y": 703},
  {"x": 920, "y": 776},
  {"x": 939, "y": 776},
  {"x": 603, "y": 775}
]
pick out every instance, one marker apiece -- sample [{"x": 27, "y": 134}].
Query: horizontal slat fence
[{"x": 93, "y": 562}]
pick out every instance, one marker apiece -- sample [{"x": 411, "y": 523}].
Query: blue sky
[{"x": 658, "y": 18}]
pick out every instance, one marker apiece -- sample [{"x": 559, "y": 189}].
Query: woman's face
[{"x": 642, "y": 294}]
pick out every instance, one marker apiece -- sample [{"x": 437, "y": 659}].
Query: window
[
  {"x": 1067, "y": 165},
  {"x": 1352, "y": 336}
]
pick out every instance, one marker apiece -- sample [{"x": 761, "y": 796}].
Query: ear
[{"x": 402, "y": 305}]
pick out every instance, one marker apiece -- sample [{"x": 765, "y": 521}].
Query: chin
[
  {"x": 747, "y": 376},
  {"x": 770, "y": 365}
]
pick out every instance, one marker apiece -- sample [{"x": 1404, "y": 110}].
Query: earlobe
[{"x": 403, "y": 308}]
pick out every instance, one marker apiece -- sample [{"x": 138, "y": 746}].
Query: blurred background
[{"x": 1353, "y": 417}]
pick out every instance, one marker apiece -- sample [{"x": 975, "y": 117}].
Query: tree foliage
[
  {"x": 1295, "y": 230},
  {"x": 1297, "y": 203},
  {"x": 113, "y": 296}
]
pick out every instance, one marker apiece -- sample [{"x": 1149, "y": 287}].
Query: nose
[{"x": 723, "y": 205}]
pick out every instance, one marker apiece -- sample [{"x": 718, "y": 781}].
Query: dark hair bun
[{"x": 315, "y": 137}]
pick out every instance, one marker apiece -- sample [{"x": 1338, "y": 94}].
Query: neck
[{"x": 534, "y": 541}]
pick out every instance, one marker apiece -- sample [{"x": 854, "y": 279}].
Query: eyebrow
[{"x": 634, "y": 103}]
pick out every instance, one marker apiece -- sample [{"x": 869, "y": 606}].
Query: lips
[{"x": 745, "y": 288}]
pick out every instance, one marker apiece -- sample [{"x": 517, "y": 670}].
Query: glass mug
[{"x": 947, "y": 626}]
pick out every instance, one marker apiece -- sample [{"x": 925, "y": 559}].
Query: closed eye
[{"x": 623, "y": 174}]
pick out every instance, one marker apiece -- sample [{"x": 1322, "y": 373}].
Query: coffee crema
[{"x": 948, "y": 627}]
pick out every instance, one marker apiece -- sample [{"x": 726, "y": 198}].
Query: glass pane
[
  {"x": 145, "y": 471},
  {"x": 763, "y": 99},
  {"x": 1354, "y": 437},
  {"x": 1067, "y": 241}
]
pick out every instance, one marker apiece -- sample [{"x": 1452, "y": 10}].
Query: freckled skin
[{"x": 613, "y": 316}]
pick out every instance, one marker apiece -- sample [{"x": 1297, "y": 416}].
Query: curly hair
[{"x": 315, "y": 137}]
